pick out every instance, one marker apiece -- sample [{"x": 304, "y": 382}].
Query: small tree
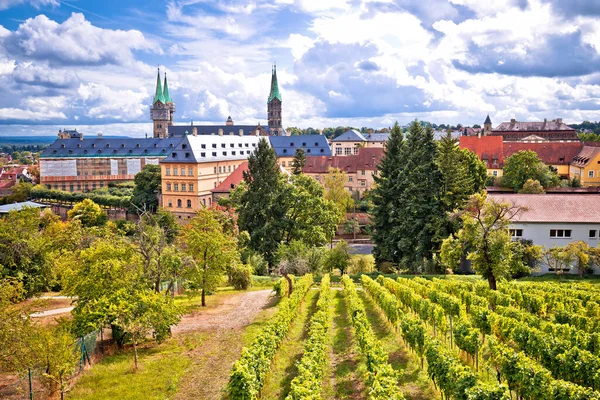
[
  {"x": 89, "y": 213},
  {"x": 525, "y": 165},
  {"x": 292, "y": 261},
  {"x": 298, "y": 162},
  {"x": 558, "y": 258},
  {"x": 582, "y": 254},
  {"x": 532, "y": 187},
  {"x": 486, "y": 238},
  {"x": 336, "y": 191},
  {"x": 211, "y": 249},
  {"x": 339, "y": 257},
  {"x": 362, "y": 264}
]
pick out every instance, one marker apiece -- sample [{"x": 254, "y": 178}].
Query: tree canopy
[
  {"x": 146, "y": 190},
  {"x": 526, "y": 165}
]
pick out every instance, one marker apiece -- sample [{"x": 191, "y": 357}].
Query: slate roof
[
  {"x": 555, "y": 153},
  {"x": 377, "y": 137},
  {"x": 351, "y": 135},
  {"x": 5, "y": 209},
  {"x": 110, "y": 147},
  {"x": 366, "y": 159},
  {"x": 233, "y": 180},
  {"x": 554, "y": 208},
  {"x": 313, "y": 145},
  {"x": 586, "y": 155},
  {"x": 180, "y": 130},
  {"x": 487, "y": 120},
  {"x": 208, "y": 148},
  {"x": 554, "y": 125}
]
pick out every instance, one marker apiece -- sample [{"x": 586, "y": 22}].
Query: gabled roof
[
  {"x": 367, "y": 159},
  {"x": 586, "y": 155},
  {"x": 554, "y": 125},
  {"x": 351, "y": 135},
  {"x": 313, "y": 145},
  {"x": 233, "y": 180},
  {"x": 110, "y": 147},
  {"x": 377, "y": 137},
  {"x": 554, "y": 208},
  {"x": 182, "y": 130},
  {"x": 486, "y": 147},
  {"x": 551, "y": 153}
]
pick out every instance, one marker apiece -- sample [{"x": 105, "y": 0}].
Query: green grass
[
  {"x": 283, "y": 368},
  {"x": 593, "y": 279},
  {"x": 414, "y": 382},
  {"x": 160, "y": 370},
  {"x": 343, "y": 377}
]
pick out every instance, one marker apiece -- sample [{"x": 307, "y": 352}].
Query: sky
[{"x": 92, "y": 64}]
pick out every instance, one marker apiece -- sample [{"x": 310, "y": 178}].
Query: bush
[
  {"x": 362, "y": 264},
  {"x": 241, "y": 276},
  {"x": 257, "y": 263}
]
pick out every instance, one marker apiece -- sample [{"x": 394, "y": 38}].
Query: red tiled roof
[
  {"x": 552, "y": 153},
  {"x": 366, "y": 159},
  {"x": 554, "y": 208},
  {"x": 486, "y": 147},
  {"x": 232, "y": 180},
  {"x": 7, "y": 184}
]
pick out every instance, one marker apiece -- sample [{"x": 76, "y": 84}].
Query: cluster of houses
[{"x": 12, "y": 174}]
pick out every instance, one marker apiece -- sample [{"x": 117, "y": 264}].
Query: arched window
[
  {"x": 189, "y": 204},
  {"x": 178, "y": 203}
]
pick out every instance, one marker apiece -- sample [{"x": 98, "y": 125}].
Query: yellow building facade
[{"x": 586, "y": 166}]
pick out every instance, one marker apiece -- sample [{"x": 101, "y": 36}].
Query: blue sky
[{"x": 92, "y": 64}]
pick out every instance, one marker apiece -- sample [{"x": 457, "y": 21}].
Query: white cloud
[
  {"x": 5, "y": 4},
  {"x": 10, "y": 114},
  {"x": 104, "y": 103}
]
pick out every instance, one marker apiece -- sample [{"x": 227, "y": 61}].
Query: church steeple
[
  {"x": 158, "y": 96},
  {"x": 166, "y": 91},
  {"x": 274, "y": 94}
]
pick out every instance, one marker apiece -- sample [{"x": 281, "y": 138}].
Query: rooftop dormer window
[
  {"x": 155, "y": 145},
  {"x": 130, "y": 151},
  {"x": 93, "y": 144},
  {"x": 292, "y": 144},
  {"x": 107, "y": 145},
  {"x": 85, "y": 152},
  {"x": 99, "y": 151},
  {"x": 70, "y": 151},
  {"x": 316, "y": 144},
  {"x": 304, "y": 144},
  {"x": 62, "y": 146},
  {"x": 145, "y": 150},
  {"x": 137, "y": 145},
  {"x": 78, "y": 145},
  {"x": 285, "y": 150},
  {"x": 184, "y": 146},
  {"x": 174, "y": 155},
  {"x": 53, "y": 151},
  {"x": 187, "y": 155},
  {"x": 123, "y": 145}
]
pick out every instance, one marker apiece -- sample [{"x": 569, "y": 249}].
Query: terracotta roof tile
[
  {"x": 555, "y": 153},
  {"x": 234, "y": 179}
]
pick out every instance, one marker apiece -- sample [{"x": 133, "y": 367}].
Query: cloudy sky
[{"x": 340, "y": 62}]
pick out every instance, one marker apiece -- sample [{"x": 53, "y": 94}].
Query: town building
[
  {"x": 197, "y": 165},
  {"x": 230, "y": 183},
  {"x": 10, "y": 176},
  {"x": 555, "y": 220},
  {"x": 286, "y": 146},
  {"x": 515, "y": 131},
  {"x": 352, "y": 140},
  {"x": 586, "y": 165},
  {"x": 162, "y": 109},
  {"x": 360, "y": 168}
]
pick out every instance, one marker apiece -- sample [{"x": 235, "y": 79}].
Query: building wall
[
  {"x": 356, "y": 183},
  {"x": 345, "y": 148},
  {"x": 205, "y": 177},
  {"x": 588, "y": 175},
  {"x": 539, "y": 233}
]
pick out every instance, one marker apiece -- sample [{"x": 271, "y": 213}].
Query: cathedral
[{"x": 163, "y": 110}]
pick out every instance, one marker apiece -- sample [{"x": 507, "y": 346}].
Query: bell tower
[
  {"x": 487, "y": 126},
  {"x": 274, "y": 106},
  {"x": 162, "y": 109}
]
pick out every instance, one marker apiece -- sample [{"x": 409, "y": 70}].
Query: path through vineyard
[{"x": 219, "y": 332}]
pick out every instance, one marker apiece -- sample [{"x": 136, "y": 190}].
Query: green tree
[
  {"x": 19, "y": 192},
  {"x": 212, "y": 250},
  {"x": 336, "y": 192},
  {"x": 385, "y": 197},
  {"x": 339, "y": 257},
  {"x": 262, "y": 212},
  {"x": 582, "y": 254},
  {"x": 292, "y": 261},
  {"x": 525, "y": 165},
  {"x": 88, "y": 213},
  {"x": 558, "y": 258},
  {"x": 362, "y": 264},
  {"x": 298, "y": 161},
  {"x": 532, "y": 187},
  {"x": 486, "y": 238},
  {"x": 146, "y": 190}
]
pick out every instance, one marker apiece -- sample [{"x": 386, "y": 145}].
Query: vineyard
[{"x": 527, "y": 340}]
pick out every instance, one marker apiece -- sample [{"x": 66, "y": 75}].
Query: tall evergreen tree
[
  {"x": 385, "y": 197},
  {"x": 298, "y": 162},
  {"x": 262, "y": 211}
]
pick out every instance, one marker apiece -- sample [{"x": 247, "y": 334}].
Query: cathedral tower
[
  {"x": 274, "y": 107},
  {"x": 487, "y": 126},
  {"x": 162, "y": 109}
]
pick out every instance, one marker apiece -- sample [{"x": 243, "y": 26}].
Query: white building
[{"x": 556, "y": 220}]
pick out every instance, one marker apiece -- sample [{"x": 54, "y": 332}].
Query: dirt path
[
  {"x": 219, "y": 332},
  {"x": 235, "y": 312}
]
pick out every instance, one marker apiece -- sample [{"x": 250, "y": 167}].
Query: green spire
[
  {"x": 166, "y": 91},
  {"x": 159, "y": 92},
  {"x": 274, "y": 86}
]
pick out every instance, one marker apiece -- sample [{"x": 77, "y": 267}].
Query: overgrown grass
[
  {"x": 283, "y": 368},
  {"x": 414, "y": 382},
  {"x": 192, "y": 300},
  {"x": 160, "y": 370}
]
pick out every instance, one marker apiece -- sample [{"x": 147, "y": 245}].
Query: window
[
  {"x": 170, "y": 204},
  {"x": 176, "y": 186},
  {"x": 593, "y": 234},
  {"x": 347, "y": 151},
  {"x": 229, "y": 168},
  {"x": 168, "y": 187},
  {"x": 191, "y": 171},
  {"x": 560, "y": 233},
  {"x": 283, "y": 163},
  {"x": 64, "y": 187},
  {"x": 70, "y": 188},
  {"x": 214, "y": 146},
  {"x": 214, "y": 153},
  {"x": 590, "y": 174},
  {"x": 183, "y": 187},
  {"x": 182, "y": 171},
  {"x": 363, "y": 183},
  {"x": 93, "y": 186},
  {"x": 204, "y": 202},
  {"x": 223, "y": 145},
  {"x": 516, "y": 233},
  {"x": 494, "y": 173},
  {"x": 191, "y": 187},
  {"x": 178, "y": 203},
  {"x": 189, "y": 204},
  {"x": 362, "y": 172},
  {"x": 219, "y": 169},
  {"x": 356, "y": 150},
  {"x": 203, "y": 146},
  {"x": 214, "y": 170},
  {"x": 175, "y": 171},
  {"x": 168, "y": 171},
  {"x": 338, "y": 151},
  {"x": 350, "y": 179}
]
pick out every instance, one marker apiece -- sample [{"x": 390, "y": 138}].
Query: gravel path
[
  {"x": 236, "y": 312},
  {"x": 49, "y": 313}
]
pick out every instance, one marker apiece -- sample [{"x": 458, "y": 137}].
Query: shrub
[{"x": 240, "y": 276}]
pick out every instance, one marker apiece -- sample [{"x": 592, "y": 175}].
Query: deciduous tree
[
  {"x": 88, "y": 213},
  {"x": 525, "y": 165},
  {"x": 335, "y": 191},
  {"x": 146, "y": 190},
  {"x": 338, "y": 257}
]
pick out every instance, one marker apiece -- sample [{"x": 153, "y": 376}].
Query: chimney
[
  {"x": 230, "y": 133},
  {"x": 81, "y": 136},
  {"x": 241, "y": 132},
  {"x": 99, "y": 135},
  {"x": 513, "y": 121},
  {"x": 220, "y": 132},
  {"x": 194, "y": 131},
  {"x": 559, "y": 120}
]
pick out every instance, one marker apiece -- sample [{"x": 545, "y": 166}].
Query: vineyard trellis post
[{"x": 30, "y": 384}]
